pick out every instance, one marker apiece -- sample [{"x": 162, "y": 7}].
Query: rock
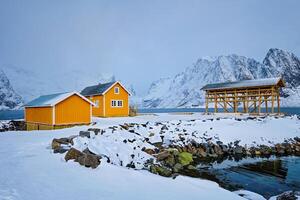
[
  {"x": 238, "y": 150},
  {"x": 191, "y": 167},
  {"x": 279, "y": 149},
  {"x": 170, "y": 161},
  {"x": 60, "y": 145},
  {"x": 297, "y": 139},
  {"x": 125, "y": 126},
  {"x": 89, "y": 160},
  {"x": 151, "y": 134},
  {"x": 95, "y": 130},
  {"x": 218, "y": 150},
  {"x": 149, "y": 151},
  {"x": 73, "y": 154},
  {"x": 185, "y": 158},
  {"x": 161, "y": 170},
  {"x": 164, "y": 127},
  {"x": 289, "y": 195},
  {"x": 55, "y": 144},
  {"x": 177, "y": 167},
  {"x": 85, "y": 134},
  {"x": 201, "y": 152},
  {"x": 87, "y": 151},
  {"x": 163, "y": 155}
]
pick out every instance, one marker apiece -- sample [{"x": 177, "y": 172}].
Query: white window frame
[
  {"x": 115, "y": 103},
  {"x": 118, "y": 90},
  {"x": 97, "y": 103}
]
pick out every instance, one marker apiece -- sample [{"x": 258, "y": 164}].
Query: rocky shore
[
  {"x": 12, "y": 125},
  {"x": 177, "y": 147},
  {"x": 169, "y": 155}
]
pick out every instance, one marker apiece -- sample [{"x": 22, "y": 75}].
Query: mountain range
[
  {"x": 18, "y": 85},
  {"x": 183, "y": 90}
]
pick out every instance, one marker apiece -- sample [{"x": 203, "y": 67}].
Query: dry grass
[{"x": 133, "y": 111}]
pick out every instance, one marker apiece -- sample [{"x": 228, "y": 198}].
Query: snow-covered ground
[{"x": 30, "y": 170}]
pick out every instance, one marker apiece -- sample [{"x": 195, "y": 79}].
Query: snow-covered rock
[
  {"x": 9, "y": 99},
  {"x": 183, "y": 90}
]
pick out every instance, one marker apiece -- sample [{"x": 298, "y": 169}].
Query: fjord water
[
  {"x": 267, "y": 177},
  {"x": 285, "y": 110}
]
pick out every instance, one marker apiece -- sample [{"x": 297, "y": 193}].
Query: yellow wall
[
  {"x": 105, "y": 109},
  {"x": 116, "y": 111},
  {"x": 73, "y": 110},
  {"x": 97, "y": 111},
  {"x": 41, "y": 115}
]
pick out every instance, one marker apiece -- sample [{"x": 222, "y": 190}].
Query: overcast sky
[{"x": 141, "y": 41}]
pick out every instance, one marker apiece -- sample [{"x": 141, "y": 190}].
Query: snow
[
  {"x": 244, "y": 83},
  {"x": 124, "y": 147},
  {"x": 53, "y": 99},
  {"x": 249, "y": 195},
  {"x": 29, "y": 170}
]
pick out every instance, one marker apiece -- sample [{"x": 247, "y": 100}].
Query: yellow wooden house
[
  {"x": 58, "y": 111},
  {"x": 110, "y": 99}
]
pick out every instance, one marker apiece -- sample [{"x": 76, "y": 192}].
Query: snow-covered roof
[
  {"x": 100, "y": 89},
  {"x": 53, "y": 99},
  {"x": 245, "y": 84}
]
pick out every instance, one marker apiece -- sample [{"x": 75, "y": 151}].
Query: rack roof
[{"x": 245, "y": 84}]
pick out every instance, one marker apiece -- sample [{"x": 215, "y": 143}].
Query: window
[
  {"x": 113, "y": 103},
  {"x": 117, "y": 90},
  {"x": 120, "y": 103},
  {"x": 97, "y": 103},
  {"x": 117, "y": 103}
]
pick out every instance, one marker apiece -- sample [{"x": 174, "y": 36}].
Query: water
[
  {"x": 266, "y": 177},
  {"x": 286, "y": 110},
  {"x": 11, "y": 114}
]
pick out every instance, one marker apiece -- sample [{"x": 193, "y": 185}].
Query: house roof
[
  {"x": 245, "y": 84},
  {"x": 53, "y": 99},
  {"x": 100, "y": 89}
]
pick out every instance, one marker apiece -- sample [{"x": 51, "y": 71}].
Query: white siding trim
[
  {"x": 128, "y": 106},
  {"x": 91, "y": 113},
  {"x": 104, "y": 105},
  {"x": 103, "y": 93},
  {"x": 53, "y": 115}
]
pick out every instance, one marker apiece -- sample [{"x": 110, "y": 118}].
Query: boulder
[
  {"x": 201, "y": 152},
  {"x": 161, "y": 170},
  {"x": 55, "y": 144},
  {"x": 185, "y": 158},
  {"x": 289, "y": 195},
  {"x": 85, "y": 134},
  {"x": 95, "y": 130},
  {"x": 238, "y": 150},
  {"x": 73, "y": 154},
  {"x": 177, "y": 167},
  {"x": 89, "y": 160},
  {"x": 170, "y": 160},
  {"x": 218, "y": 150},
  {"x": 149, "y": 151},
  {"x": 162, "y": 155}
]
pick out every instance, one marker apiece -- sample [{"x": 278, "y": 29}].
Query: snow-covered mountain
[
  {"x": 183, "y": 90},
  {"x": 9, "y": 99}
]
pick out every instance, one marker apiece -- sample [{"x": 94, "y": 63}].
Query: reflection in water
[
  {"x": 273, "y": 168},
  {"x": 268, "y": 177}
]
